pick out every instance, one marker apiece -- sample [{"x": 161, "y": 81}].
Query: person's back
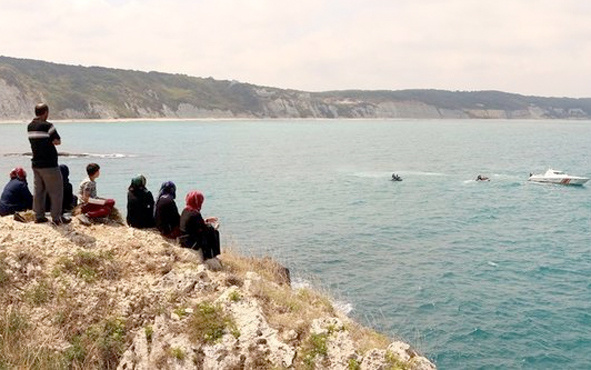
[
  {"x": 140, "y": 204},
  {"x": 196, "y": 232},
  {"x": 166, "y": 213},
  {"x": 16, "y": 196}
]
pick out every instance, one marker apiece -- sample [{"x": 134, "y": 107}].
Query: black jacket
[
  {"x": 140, "y": 209},
  {"x": 166, "y": 215}
]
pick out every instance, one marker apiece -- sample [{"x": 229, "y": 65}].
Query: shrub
[{"x": 209, "y": 322}]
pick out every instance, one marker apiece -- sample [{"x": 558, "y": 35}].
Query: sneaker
[
  {"x": 84, "y": 220},
  {"x": 41, "y": 220},
  {"x": 19, "y": 218}
]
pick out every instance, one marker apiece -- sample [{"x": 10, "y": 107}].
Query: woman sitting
[
  {"x": 167, "y": 214},
  {"x": 196, "y": 232},
  {"x": 16, "y": 196},
  {"x": 140, "y": 204}
]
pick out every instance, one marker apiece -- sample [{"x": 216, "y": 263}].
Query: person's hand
[
  {"x": 56, "y": 141},
  {"x": 211, "y": 219}
]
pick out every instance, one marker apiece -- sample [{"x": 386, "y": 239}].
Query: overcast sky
[{"x": 531, "y": 47}]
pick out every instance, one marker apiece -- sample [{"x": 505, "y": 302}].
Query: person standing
[{"x": 47, "y": 176}]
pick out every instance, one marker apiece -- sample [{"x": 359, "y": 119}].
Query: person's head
[
  {"x": 18, "y": 173},
  {"x": 65, "y": 172},
  {"x": 168, "y": 188},
  {"x": 93, "y": 170},
  {"x": 194, "y": 200},
  {"x": 138, "y": 183},
  {"x": 42, "y": 111}
]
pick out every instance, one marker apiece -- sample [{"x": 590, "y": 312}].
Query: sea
[{"x": 475, "y": 275}]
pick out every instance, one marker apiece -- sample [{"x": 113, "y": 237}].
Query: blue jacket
[{"x": 15, "y": 197}]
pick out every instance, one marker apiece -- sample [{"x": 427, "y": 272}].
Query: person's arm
[{"x": 54, "y": 136}]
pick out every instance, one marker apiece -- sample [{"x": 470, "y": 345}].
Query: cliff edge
[{"x": 109, "y": 296}]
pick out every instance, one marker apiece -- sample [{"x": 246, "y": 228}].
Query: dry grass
[
  {"x": 266, "y": 267},
  {"x": 18, "y": 348}
]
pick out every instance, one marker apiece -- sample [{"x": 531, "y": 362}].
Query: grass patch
[
  {"x": 100, "y": 346},
  {"x": 41, "y": 293},
  {"x": 314, "y": 347},
  {"x": 235, "y": 296},
  {"x": 209, "y": 323},
  {"x": 177, "y": 353},
  {"x": 89, "y": 266},
  {"x": 393, "y": 362},
  {"x": 149, "y": 331}
]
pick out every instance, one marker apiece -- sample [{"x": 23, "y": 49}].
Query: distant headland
[{"x": 83, "y": 93}]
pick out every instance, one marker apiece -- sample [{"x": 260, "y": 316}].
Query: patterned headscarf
[
  {"x": 18, "y": 173},
  {"x": 194, "y": 200},
  {"x": 138, "y": 183},
  {"x": 167, "y": 188}
]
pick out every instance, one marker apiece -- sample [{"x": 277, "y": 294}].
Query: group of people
[
  {"x": 53, "y": 193},
  {"x": 192, "y": 230}
]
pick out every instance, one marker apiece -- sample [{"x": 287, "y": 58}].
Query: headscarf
[
  {"x": 138, "y": 183},
  {"x": 194, "y": 200},
  {"x": 18, "y": 173},
  {"x": 167, "y": 188},
  {"x": 65, "y": 172}
]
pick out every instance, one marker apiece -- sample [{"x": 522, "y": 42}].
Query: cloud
[{"x": 538, "y": 48}]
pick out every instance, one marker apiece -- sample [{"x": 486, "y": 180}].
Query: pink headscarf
[
  {"x": 194, "y": 200},
  {"x": 18, "y": 173}
]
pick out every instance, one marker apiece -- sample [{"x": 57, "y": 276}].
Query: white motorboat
[{"x": 558, "y": 177}]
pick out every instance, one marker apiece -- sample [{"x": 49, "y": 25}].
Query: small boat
[
  {"x": 558, "y": 177},
  {"x": 395, "y": 177}
]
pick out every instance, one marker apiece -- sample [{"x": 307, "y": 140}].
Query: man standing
[{"x": 47, "y": 176}]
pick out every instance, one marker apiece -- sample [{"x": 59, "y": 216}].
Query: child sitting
[{"x": 92, "y": 206}]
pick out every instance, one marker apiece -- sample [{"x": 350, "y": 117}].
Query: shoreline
[{"x": 168, "y": 119}]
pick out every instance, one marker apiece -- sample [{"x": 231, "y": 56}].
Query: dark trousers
[
  {"x": 48, "y": 182},
  {"x": 208, "y": 241}
]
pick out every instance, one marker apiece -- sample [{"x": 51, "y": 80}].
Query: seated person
[
  {"x": 196, "y": 232},
  {"x": 167, "y": 214},
  {"x": 16, "y": 196},
  {"x": 91, "y": 205},
  {"x": 69, "y": 200},
  {"x": 140, "y": 204}
]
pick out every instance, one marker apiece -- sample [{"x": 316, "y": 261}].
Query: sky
[{"x": 529, "y": 47}]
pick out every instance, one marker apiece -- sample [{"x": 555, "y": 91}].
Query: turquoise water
[{"x": 491, "y": 275}]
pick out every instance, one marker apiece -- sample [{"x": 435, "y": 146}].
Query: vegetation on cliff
[
  {"x": 76, "y": 92},
  {"x": 109, "y": 296}
]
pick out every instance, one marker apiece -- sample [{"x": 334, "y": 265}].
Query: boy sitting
[{"x": 92, "y": 206}]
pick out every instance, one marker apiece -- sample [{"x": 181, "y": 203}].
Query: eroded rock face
[{"x": 154, "y": 292}]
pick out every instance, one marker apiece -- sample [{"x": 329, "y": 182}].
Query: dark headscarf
[
  {"x": 194, "y": 200},
  {"x": 138, "y": 183},
  {"x": 167, "y": 188}
]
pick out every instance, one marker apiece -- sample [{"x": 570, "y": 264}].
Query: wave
[{"x": 75, "y": 155}]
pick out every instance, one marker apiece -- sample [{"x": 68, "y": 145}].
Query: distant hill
[{"x": 76, "y": 92}]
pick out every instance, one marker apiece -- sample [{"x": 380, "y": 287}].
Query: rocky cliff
[
  {"x": 75, "y": 92},
  {"x": 109, "y": 296}
]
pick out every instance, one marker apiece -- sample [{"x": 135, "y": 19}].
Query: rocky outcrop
[{"x": 109, "y": 296}]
